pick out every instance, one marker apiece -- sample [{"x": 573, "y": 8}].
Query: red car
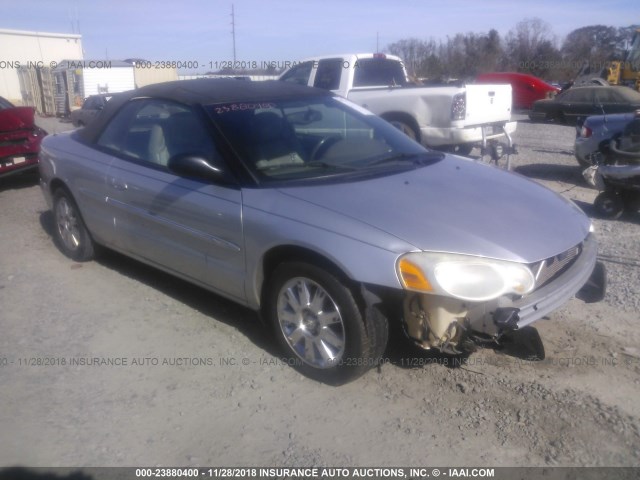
[
  {"x": 19, "y": 138},
  {"x": 526, "y": 88}
]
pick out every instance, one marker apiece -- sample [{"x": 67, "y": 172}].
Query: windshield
[
  {"x": 5, "y": 104},
  {"x": 314, "y": 137}
]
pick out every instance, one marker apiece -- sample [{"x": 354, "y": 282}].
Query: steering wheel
[{"x": 323, "y": 145}]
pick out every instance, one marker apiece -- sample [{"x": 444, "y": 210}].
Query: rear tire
[
  {"x": 463, "y": 149},
  {"x": 70, "y": 233},
  {"x": 319, "y": 325},
  {"x": 404, "y": 127},
  {"x": 609, "y": 205}
]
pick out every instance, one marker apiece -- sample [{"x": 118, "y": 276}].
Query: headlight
[{"x": 465, "y": 277}]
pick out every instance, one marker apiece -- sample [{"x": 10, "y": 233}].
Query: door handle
[{"x": 118, "y": 184}]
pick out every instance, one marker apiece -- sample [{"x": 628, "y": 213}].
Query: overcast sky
[{"x": 278, "y": 30}]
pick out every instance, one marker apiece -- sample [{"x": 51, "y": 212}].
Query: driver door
[{"x": 187, "y": 226}]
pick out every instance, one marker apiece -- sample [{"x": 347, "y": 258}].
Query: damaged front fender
[{"x": 447, "y": 324}]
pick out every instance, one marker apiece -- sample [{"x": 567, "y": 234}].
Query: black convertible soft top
[{"x": 202, "y": 91}]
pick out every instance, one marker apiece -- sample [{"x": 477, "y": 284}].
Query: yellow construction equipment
[{"x": 627, "y": 72}]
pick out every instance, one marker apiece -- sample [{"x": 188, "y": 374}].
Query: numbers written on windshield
[{"x": 237, "y": 107}]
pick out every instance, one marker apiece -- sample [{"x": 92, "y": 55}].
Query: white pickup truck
[{"x": 454, "y": 118}]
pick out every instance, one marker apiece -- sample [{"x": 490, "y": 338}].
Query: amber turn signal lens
[{"x": 412, "y": 277}]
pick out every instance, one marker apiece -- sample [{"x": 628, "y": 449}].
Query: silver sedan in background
[{"x": 318, "y": 214}]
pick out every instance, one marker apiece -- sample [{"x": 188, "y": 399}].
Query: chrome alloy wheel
[
  {"x": 67, "y": 224},
  {"x": 311, "y": 322}
]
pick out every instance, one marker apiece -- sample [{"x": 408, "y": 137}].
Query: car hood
[
  {"x": 17, "y": 118},
  {"x": 455, "y": 205}
]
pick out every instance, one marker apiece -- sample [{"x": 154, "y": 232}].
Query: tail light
[
  {"x": 459, "y": 107},
  {"x": 585, "y": 132}
]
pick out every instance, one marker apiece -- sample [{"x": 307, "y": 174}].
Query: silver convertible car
[{"x": 318, "y": 214}]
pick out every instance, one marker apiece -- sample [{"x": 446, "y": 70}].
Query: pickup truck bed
[{"x": 448, "y": 116}]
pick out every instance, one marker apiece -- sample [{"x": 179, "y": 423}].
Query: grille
[
  {"x": 548, "y": 269},
  {"x": 13, "y": 141}
]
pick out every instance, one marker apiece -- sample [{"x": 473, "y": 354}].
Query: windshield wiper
[
  {"x": 326, "y": 165},
  {"x": 415, "y": 158}
]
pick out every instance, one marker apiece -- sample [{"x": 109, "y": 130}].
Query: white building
[{"x": 32, "y": 50}]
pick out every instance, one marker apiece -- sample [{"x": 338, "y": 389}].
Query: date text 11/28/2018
[{"x": 314, "y": 472}]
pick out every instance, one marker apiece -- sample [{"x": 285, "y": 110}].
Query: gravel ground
[{"x": 203, "y": 384}]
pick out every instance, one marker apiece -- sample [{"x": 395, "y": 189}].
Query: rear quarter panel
[
  {"x": 83, "y": 171},
  {"x": 429, "y": 106}
]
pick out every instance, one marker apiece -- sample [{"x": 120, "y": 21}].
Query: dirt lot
[{"x": 200, "y": 382}]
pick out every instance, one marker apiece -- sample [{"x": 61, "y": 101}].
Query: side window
[
  {"x": 328, "y": 74},
  {"x": 567, "y": 96},
  {"x": 299, "y": 74},
  {"x": 607, "y": 95},
  {"x": 578, "y": 95},
  {"x": 583, "y": 95},
  {"x": 153, "y": 131},
  {"x": 375, "y": 72},
  {"x": 602, "y": 97}
]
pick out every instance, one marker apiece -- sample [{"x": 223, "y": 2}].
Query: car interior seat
[
  {"x": 157, "y": 151},
  {"x": 273, "y": 141}
]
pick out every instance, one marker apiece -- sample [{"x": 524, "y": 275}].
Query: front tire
[
  {"x": 320, "y": 326},
  {"x": 583, "y": 163},
  {"x": 70, "y": 233}
]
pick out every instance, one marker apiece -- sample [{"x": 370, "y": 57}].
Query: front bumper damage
[{"x": 449, "y": 324}]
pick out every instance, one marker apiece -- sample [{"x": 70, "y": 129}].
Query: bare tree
[
  {"x": 417, "y": 55},
  {"x": 595, "y": 45},
  {"x": 530, "y": 48},
  {"x": 461, "y": 56},
  {"x": 492, "y": 52}
]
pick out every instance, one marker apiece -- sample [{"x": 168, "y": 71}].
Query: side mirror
[{"x": 194, "y": 165}]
